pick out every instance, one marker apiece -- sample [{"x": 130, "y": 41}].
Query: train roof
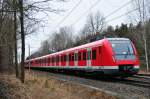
[{"x": 81, "y": 47}]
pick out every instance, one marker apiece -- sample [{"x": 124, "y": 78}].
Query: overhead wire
[
  {"x": 93, "y": 5},
  {"x": 116, "y": 10},
  {"x": 113, "y": 12},
  {"x": 118, "y": 17},
  {"x": 68, "y": 14},
  {"x": 123, "y": 15}
]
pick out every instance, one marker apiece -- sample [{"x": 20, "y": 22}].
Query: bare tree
[
  {"x": 94, "y": 24},
  {"x": 44, "y": 49},
  {"x": 141, "y": 16},
  {"x": 67, "y": 37},
  {"x": 27, "y": 11},
  {"x": 57, "y": 41},
  {"x": 6, "y": 33},
  {"x": 15, "y": 36}
]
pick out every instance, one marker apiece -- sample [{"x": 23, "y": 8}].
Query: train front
[{"x": 125, "y": 56}]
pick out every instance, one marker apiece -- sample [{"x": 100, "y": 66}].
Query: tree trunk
[
  {"x": 22, "y": 41},
  {"x": 145, "y": 49},
  {"x": 144, "y": 37},
  {"x": 15, "y": 44}
]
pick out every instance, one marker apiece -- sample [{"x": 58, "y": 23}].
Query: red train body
[{"x": 113, "y": 56}]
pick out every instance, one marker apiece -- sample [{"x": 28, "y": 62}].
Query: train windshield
[{"x": 122, "y": 49}]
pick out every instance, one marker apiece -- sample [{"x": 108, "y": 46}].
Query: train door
[
  {"x": 76, "y": 59},
  {"x": 100, "y": 55},
  {"x": 44, "y": 64},
  {"x": 96, "y": 56},
  {"x": 79, "y": 58},
  {"x": 50, "y": 61},
  {"x": 67, "y": 59},
  {"x": 82, "y": 57},
  {"x": 57, "y": 59},
  {"x": 89, "y": 57},
  {"x": 71, "y": 59},
  {"x": 64, "y": 60},
  {"x": 54, "y": 60},
  {"x": 47, "y": 61},
  {"x": 42, "y": 61},
  {"x": 60, "y": 60}
]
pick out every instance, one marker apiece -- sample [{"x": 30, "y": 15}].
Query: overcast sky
[{"x": 105, "y": 7}]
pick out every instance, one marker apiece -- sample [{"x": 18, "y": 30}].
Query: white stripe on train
[{"x": 90, "y": 67}]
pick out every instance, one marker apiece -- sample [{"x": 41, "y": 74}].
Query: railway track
[
  {"x": 136, "y": 81},
  {"x": 135, "y": 87},
  {"x": 142, "y": 76}
]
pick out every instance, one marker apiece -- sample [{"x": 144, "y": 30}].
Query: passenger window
[
  {"x": 58, "y": 58},
  {"x": 93, "y": 54},
  {"x": 45, "y": 60},
  {"x": 61, "y": 58},
  {"x": 79, "y": 56},
  {"x": 72, "y": 57},
  {"x": 54, "y": 59},
  {"x": 84, "y": 55},
  {"x": 50, "y": 59},
  {"x": 69, "y": 57},
  {"x": 64, "y": 57}
]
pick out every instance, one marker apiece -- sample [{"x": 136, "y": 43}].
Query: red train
[{"x": 113, "y": 56}]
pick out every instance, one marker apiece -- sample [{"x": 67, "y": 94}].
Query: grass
[{"x": 36, "y": 87}]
